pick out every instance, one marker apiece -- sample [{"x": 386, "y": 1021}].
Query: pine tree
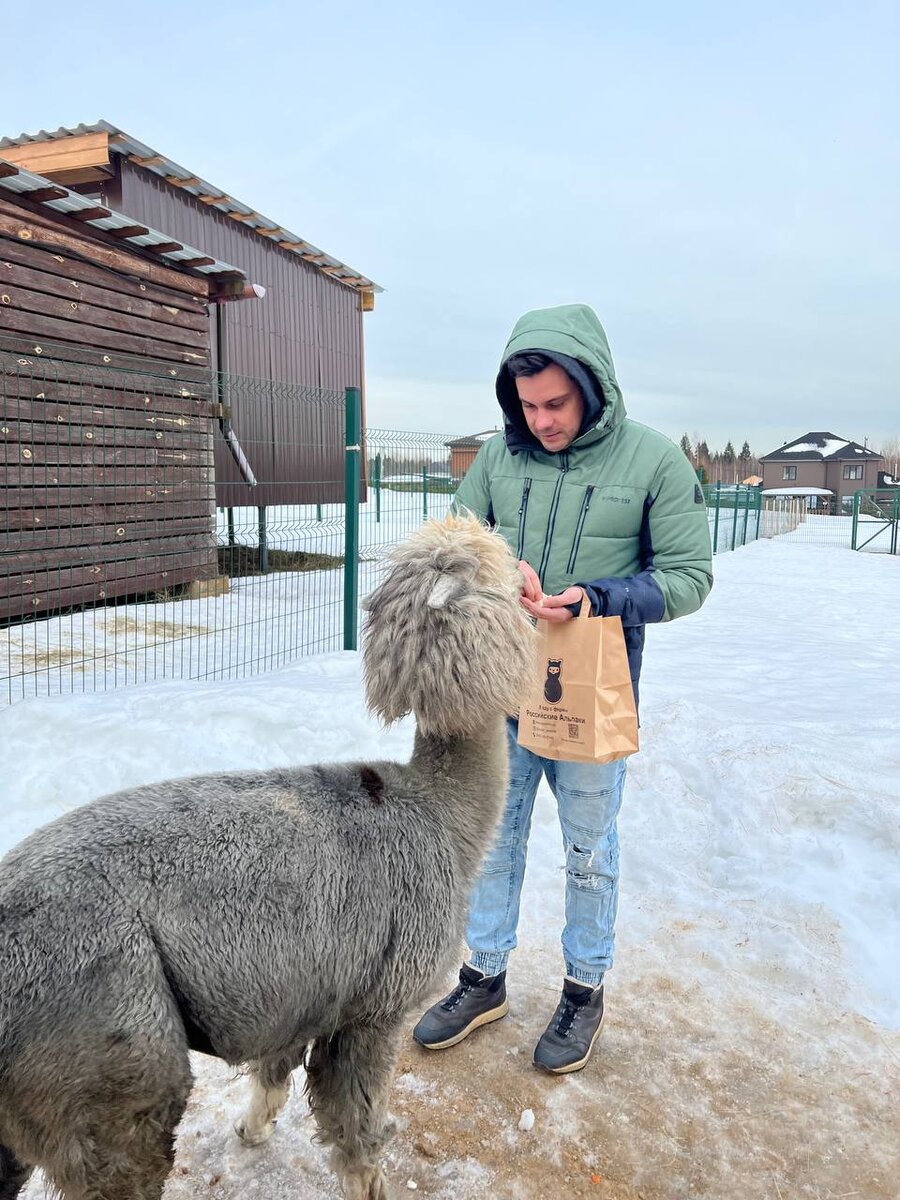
[{"x": 686, "y": 448}]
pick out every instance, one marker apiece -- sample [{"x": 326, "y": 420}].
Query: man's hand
[
  {"x": 531, "y": 585},
  {"x": 553, "y": 608}
]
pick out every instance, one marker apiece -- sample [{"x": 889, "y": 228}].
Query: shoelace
[
  {"x": 455, "y": 996},
  {"x": 568, "y": 1011}
]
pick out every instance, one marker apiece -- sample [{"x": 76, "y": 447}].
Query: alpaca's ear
[
  {"x": 452, "y": 584},
  {"x": 447, "y": 588}
]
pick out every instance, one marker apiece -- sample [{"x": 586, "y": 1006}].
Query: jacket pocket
[{"x": 579, "y": 528}]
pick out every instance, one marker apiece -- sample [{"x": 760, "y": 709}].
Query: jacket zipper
[
  {"x": 582, "y": 517},
  {"x": 523, "y": 509},
  {"x": 551, "y": 521}
]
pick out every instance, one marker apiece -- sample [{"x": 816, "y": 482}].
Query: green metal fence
[
  {"x": 195, "y": 526},
  {"x": 211, "y": 527},
  {"x": 734, "y": 513},
  {"x": 876, "y": 520}
]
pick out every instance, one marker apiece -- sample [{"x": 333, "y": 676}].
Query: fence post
[
  {"x": 734, "y": 521},
  {"x": 716, "y": 523},
  {"x": 854, "y": 528},
  {"x": 352, "y": 450},
  {"x": 424, "y": 493},
  {"x": 263, "y": 540},
  {"x": 759, "y": 503},
  {"x": 377, "y": 485}
]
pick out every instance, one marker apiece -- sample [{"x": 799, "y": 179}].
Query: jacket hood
[{"x": 571, "y": 336}]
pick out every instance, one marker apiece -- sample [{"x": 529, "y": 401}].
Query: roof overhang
[
  {"x": 85, "y": 153},
  {"x": 226, "y": 282}
]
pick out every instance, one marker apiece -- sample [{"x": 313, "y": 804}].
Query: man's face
[{"x": 552, "y": 406}]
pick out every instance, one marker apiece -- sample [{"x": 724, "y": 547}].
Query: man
[{"x": 591, "y": 502}]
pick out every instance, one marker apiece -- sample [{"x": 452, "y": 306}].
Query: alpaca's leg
[
  {"x": 120, "y": 1163},
  {"x": 13, "y": 1175},
  {"x": 348, "y": 1080},
  {"x": 114, "y": 1138},
  {"x": 271, "y": 1086}
]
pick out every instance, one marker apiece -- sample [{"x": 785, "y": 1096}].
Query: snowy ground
[{"x": 752, "y": 1048}]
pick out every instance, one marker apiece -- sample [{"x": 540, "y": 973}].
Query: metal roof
[
  {"x": 56, "y": 198},
  {"x": 151, "y": 160}
]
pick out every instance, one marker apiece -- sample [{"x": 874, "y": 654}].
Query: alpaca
[{"x": 268, "y": 918}]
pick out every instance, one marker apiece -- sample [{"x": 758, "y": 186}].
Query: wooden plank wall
[{"x": 107, "y": 481}]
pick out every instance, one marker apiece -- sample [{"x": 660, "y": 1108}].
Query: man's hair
[{"x": 530, "y": 363}]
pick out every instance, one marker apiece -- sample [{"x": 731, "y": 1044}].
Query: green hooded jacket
[{"x": 619, "y": 512}]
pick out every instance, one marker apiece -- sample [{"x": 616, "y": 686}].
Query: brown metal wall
[{"x": 306, "y": 332}]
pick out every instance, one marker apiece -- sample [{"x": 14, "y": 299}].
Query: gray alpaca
[{"x": 272, "y": 919}]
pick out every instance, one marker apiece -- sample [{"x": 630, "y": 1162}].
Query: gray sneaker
[
  {"x": 568, "y": 1040},
  {"x": 477, "y": 1000}
]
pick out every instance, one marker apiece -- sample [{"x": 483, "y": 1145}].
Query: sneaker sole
[
  {"x": 484, "y": 1019},
  {"x": 575, "y": 1066}
]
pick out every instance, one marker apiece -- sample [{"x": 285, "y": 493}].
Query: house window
[
  {"x": 789, "y": 473},
  {"x": 853, "y": 471}
]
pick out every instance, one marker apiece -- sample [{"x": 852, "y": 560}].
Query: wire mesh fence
[{"x": 155, "y": 525}]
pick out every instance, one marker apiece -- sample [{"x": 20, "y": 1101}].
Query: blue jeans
[{"x": 588, "y": 798}]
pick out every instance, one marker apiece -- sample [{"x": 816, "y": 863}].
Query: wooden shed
[
  {"x": 108, "y": 416},
  {"x": 289, "y": 359},
  {"x": 463, "y": 451}
]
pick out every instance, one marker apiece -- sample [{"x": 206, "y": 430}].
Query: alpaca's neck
[{"x": 467, "y": 779}]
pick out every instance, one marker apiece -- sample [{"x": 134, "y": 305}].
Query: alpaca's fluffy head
[{"x": 447, "y": 638}]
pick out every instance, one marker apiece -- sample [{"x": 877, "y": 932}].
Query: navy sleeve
[{"x": 637, "y": 599}]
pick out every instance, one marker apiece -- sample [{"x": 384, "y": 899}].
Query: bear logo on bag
[{"x": 552, "y": 685}]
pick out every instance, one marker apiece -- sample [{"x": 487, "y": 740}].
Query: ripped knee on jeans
[{"x": 587, "y": 869}]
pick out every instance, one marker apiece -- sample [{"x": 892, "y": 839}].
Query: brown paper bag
[{"x": 581, "y": 706}]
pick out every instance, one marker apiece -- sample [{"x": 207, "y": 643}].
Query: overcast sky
[{"x": 720, "y": 181}]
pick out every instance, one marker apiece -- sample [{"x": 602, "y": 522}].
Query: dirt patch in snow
[{"x": 687, "y": 1098}]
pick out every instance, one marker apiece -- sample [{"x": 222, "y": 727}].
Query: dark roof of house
[{"x": 817, "y": 447}]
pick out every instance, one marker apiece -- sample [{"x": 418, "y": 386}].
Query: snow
[
  {"x": 753, "y": 1029},
  {"x": 797, "y": 491},
  {"x": 829, "y": 446},
  {"x": 263, "y": 621}
]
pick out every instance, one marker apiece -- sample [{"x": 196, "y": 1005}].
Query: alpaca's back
[{"x": 235, "y": 885}]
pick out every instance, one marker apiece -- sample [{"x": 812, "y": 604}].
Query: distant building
[
  {"x": 463, "y": 450},
  {"x": 822, "y": 466}
]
